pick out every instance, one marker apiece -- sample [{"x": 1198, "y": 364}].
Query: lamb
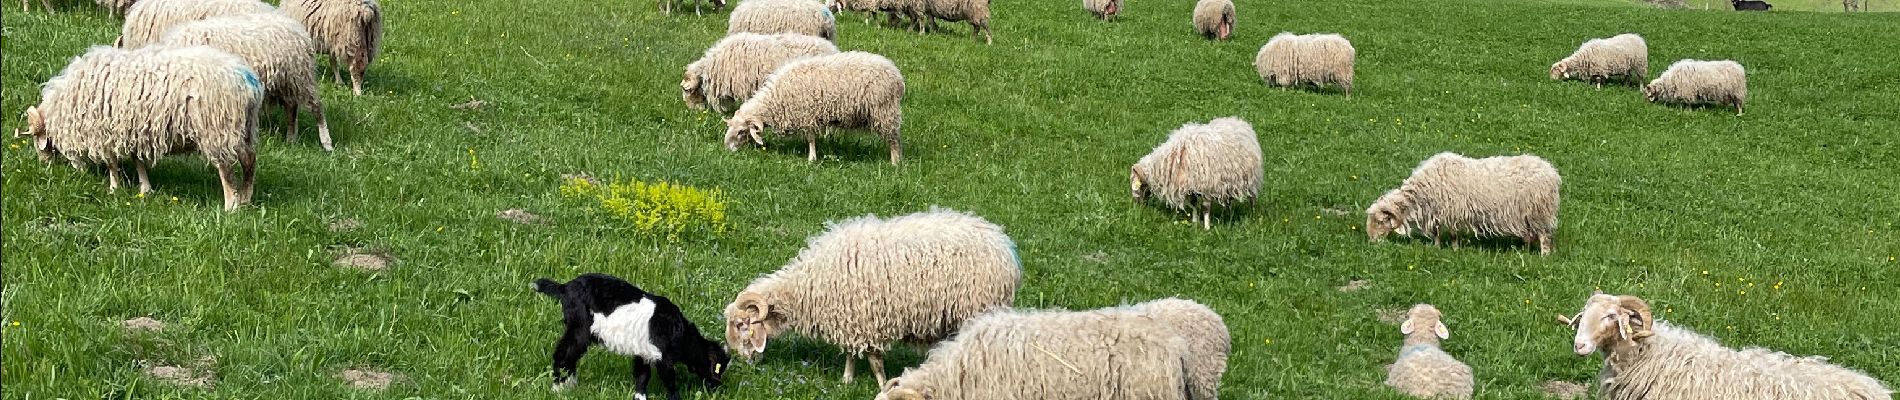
[
  {"x": 278, "y": 49},
  {"x": 666, "y": 6},
  {"x": 606, "y": 310},
  {"x": 350, "y": 31},
  {"x": 1450, "y": 194},
  {"x": 867, "y": 282},
  {"x": 146, "y": 20},
  {"x": 1645, "y": 359},
  {"x": 1207, "y": 338},
  {"x": 1103, "y": 9},
  {"x": 1214, "y": 19},
  {"x": 735, "y": 67},
  {"x": 977, "y": 12},
  {"x": 1053, "y": 355},
  {"x": 1200, "y": 166},
  {"x": 811, "y": 96},
  {"x": 1624, "y": 56},
  {"x": 113, "y": 105},
  {"x": 1700, "y": 82},
  {"x": 1423, "y": 370},
  {"x": 805, "y": 17},
  {"x": 1319, "y": 59}
]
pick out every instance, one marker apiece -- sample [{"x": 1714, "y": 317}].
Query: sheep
[
  {"x": 113, "y": 105},
  {"x": 810, "y": 96},
  {"x": 1053, "y": 355},
  {"x": 1214, "y": 19},
  {"x": 147, "y": 20},
  {"x": 1700, "y": 82},
  {"x": 278, "y": 49},
  {"x": 1422, "y": 369},
  {"x": 602, "y": 309},
  {"x": 666, "y": 6},
  {"x": 1449, "y": 194},
  {"x": 866, "y": 282},
  {"x": 892, "y": 9},
  {"x": 1751, "y": 5},
  {"x": 977, "y": 12},
  {"x": 1625, "y": 56},
  {"x": 1319, "y": 59},
  {"x": 805, "y": 17},
  {"x": 1207, "y": 338},
  {"x": 115, "y": 7},
  {"x": 735, "y": 67},
  {"x": 350, "y": 31},
  {"x": 1201, "y": 165},
  {"x": 1103, "y": 9},
  {"x": 1645, "y": 359}
]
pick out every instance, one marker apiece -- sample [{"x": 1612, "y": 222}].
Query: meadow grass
[{"x": 1778, "y": 228}]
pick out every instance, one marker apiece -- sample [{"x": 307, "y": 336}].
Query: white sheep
[
  {"x": 1645, "y": 359},
  {"x": 867, "y": 282},
  {"x": 350, "y": 31},
  {"x": 1623, "y": 56},
  {"x": 892, "y": 9},
  {"x": 813, "y": 95},
  {"x": 149, "y": 19},
  {"x": 1199, "y": 166},
  {"x": 1053, "y": 355},
  {"x": 1289, "y": 60},
  {"x": 1450, "y": 194},
  {"x": 1103, "y": 9},
  {"x": 737, "y": 66},
  {"x": 111, "y": 106},
  {"x": 277, "y": 48},
  {"x": 1214, "y": 19},
  {"x": 807, "y": 17},
  {"x": 115, "y": 7},
  {"x": 1207, "y": 338},
  {"x": 666, "y": 6},
  {"x": 977, "y": 12},
  {"x": 1700, "y": 82},
  {"x": 1422, "y": 369}
]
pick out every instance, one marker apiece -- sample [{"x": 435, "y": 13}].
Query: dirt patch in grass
[
  {"x": 581, "y": 176},
  {"x": 367, "y": 379},
  {"x": 197, "y": 375},
  {"x": 520, "y": 216},
  {"x": 1335, "y": 212},
  {"x": 365, "y": 259},
  {"x": 472, "y": 104},
  {"x": 1097, "y": 257},
  {"x": 1390, "y": 315},
  {"x": 1355, "y": 285},
  {"x": 143, "y": 324},
  {"x": 345, "y": 224},
  {"x": 1564, "y": 390}
]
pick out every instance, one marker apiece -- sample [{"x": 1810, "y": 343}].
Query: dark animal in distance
[{"x": 1751, "y": 5}]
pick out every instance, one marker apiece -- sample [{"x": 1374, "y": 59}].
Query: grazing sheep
[
  {"x": 350, "y": 31},
  {"x": 1103, "y": 9},
  {"x": 666, "y": 6},
  {"x": 1624, "y": 56},
  {"x": 277, "y": 48},
  {"x": 1751, "y": 5},
  {"x": 112, "y": 106},
  {"x": 977, "y": 12},
  {"x": 1423, "y": 370},
  {"x": 1450, "y": 194},
  {"x": 1645, "y": 359},
  {"x": 147, "y": 20},
  {"x": 115, "y": 7},
  {"x": 805, "y": 17},
  {"x": 867, "y": 282},
  {"x": 810, "y": 96},
  {"x": 735, "y": 67},
  {"x": 605, "y": 310},
  {"x": 891, "y": 9},
  {"x": 1700, "y": 82},
  {"x": 1200, "y": 166},
  {"x": 1318, "y": 59},
  {"x": 1207, "y": 339},
  {"x": 1053, "y": 355},
  {"x": 1214, "y": 19}
]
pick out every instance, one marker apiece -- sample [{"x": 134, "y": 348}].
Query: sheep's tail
[{"x": 549, "y": 287}]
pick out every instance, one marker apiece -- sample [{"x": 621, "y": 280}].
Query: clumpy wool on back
[
  {"x": 147, "y": 20},
  {"x": 1202, "y": 165},
  {"x": 1701, "y": 82},
  {"x": 810, "y": 96},
  {"x": 350, "y": 31},
  {"x": 1053, "y": 355},
  {"x": 806, "y": 17},
  {"x": 738, "y": 65},
  {"x": 277, "y": 48},
  {"x": 1214, "y": 19},
  {"x": 1317, "y": 59},
  {"x": 1623, "y": 56},
  {"x": 1509, "y": 196}
]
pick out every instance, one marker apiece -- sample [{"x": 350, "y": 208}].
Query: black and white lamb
[{"x": 602, "y": 309}]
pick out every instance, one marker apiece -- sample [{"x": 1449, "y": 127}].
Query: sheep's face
[
  {"x": 1226, "y": 28},
  {"x": 36, "y": 129},
  {"x": 1386, "y": 216},
  {"x": 1114, "y": 7},
  {"x": 1649, "y": 93},
  {"x": 1608, "y": 320},
  {"x": 1559, "y": 72},
  {"x": 691, "y": 92},
  {"x": 717, "y": 361},
  {"x": 750, "y": 322},
  {"x": 1425, "y": 316},
  {"x": 1137, "y": 187},
  {"x": 740, "y": 130},
  {"x": 895, "y": 390}
]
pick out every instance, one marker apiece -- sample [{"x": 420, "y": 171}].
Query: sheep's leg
[
  {"x": 358, "y": 64},
  {"x": 877, "y": 366},
  {"x": 811, "y": 146},
  {"x": 567, "y": 355},
  {"x": 1547, "y": 243},
  {"x": 145, "y": 181},
  {"x": 336, "y": 69},
  {"x": 229, "y": 181},
  {"x": 1435, "y": 241},
  {"x": 247, "y": 161},
  {"x": 290, "y": 121},
  {"x": 112, "y": 177},
  {"x": 849, "y": 360},
  {"x": 897, "y": 148},
  {"x": 1207, "y": 214},
  {"x": 669, "y": 379},
  {"x": 641, "y": 374},
  {"x": 323, "y": 126}
]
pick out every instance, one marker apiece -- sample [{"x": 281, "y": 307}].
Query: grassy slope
[{"x": 1684, "y": 207}]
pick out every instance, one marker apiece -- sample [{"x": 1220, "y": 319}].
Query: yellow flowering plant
[{"x": 662, "y": 209}]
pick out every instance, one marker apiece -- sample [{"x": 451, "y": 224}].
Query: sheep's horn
[{"x": 1565, "y": 320}]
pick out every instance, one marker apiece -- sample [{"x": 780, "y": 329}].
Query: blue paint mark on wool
[
  {"x": 250, "y": 81},
  {"x": 827, "y": 13}
]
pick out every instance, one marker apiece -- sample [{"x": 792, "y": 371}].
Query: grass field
[{"x": 1779, "y": 228}]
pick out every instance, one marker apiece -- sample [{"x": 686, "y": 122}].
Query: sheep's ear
[
  {"x": 1406, "y": 327},
  {"x": 1441, "y": 330}
]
